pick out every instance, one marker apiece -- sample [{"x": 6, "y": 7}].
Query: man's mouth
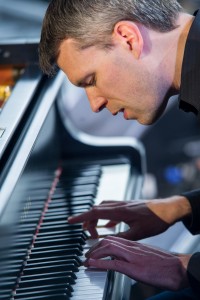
[{"x": 119, "y": 111}]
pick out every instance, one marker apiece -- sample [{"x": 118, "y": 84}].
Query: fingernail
[{"x": 87, "y": 262}]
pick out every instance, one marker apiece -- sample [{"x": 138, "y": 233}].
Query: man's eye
[{"x": 92, "y": 82}]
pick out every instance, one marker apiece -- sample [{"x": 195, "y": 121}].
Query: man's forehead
[
  {"x": 68, "y": 54},
  {"x": 71, "y": 60},
  {"x": 66, "y": 46}
]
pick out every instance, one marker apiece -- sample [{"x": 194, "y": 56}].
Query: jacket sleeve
[
  {"x": 193, "y": 223},
  {"x": 193, "y": 272}
]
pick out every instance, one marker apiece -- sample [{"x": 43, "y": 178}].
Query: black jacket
[{"x": 190, "y": 102}]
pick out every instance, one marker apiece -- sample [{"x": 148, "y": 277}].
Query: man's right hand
[{"x": 145, "y": 218}]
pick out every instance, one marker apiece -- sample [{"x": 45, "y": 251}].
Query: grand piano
[{"x": 50, "y": 170}]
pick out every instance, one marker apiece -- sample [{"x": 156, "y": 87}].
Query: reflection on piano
[{"x": 49, "y": 171}]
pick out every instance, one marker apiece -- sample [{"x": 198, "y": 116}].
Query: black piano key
[
  {"x": 63, "y": 236},
  {"x": 39, "y": 190},
  {"x": 20, "y": 245},
  {"x": 67, "y": 274},
  {"x": 12, "y": 265},
  {"x": 53, "y": 260},
  {"x": 61, "y": 198},
  {"x": 76, "y": 188},
  {"x": 74, "y": 232},
  {"x": 64, "y": 213},
  {"x": 45, "y": 281},
  {"x": 53, "y": 210},
  {"x": 31, "y": 225},
  {"x": 72, "y": 194},
  {"x": 44, "y": 291},
  {"x": 55, "y": 227},
  {"x": 7, "y": 280},
  {"x": 36, "y": 207},
  {"x": 10, "y": 272},
  {"x": 37, "y": 199},
  {"x": 24, "y": 238},
  {"x": 21, "y": 255},
  {"x": 5, "y": 297},
  {"x": 78, "y": 181},
  {"x": 5, "y": 294},
  {"x": 8, "y": 283},
  {"x": 17, "y": 253},
  {"x": 48, "y": 269},
  {"x": 49, "y": 258},
  {"x": 50, "y": 286},
  {"x": 55, "y": 263},
  {"x": 41, "y": 179},
  {"x": 54, "y": 222},
  {"x": 68, "y": 173},
  {"x": 31, "y": 219},
  {"x": 56, "y": 251},
  {"x": 62, "y": 296},
  {"x": 61, "y": 204},
  {"x": 60, "y": 209},
  {"x": 59, "y": 241},
  {"x": 27, "y": 229}
]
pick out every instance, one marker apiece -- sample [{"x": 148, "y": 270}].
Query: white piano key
[
  {"x": 112, "y": 186},
  {"x": 87, "y": 297},
  {"x": 113, "y": 183},
  {"x": 90, "y": 282}
]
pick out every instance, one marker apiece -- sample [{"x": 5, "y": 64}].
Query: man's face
[{"x": 114, "y": 79}]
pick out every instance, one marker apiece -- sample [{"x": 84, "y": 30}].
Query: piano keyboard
[{"x": 45, "y": 258}]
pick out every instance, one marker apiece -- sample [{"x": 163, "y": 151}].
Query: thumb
[
  {"x": 111, "y": 224},
  {"x": 128, "y": 235}
]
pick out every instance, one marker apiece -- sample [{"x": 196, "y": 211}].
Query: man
[{"x": 130, "y": 56}]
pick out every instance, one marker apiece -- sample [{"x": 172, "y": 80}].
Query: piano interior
[{"x": 51, "y": 170}]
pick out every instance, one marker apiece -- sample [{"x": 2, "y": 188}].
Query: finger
[
  {"x": 115, "y": 250},
  {"x": 119, "y": 240},
  {"x": 143, "y": 247},
  {"x": 111, "y": 224},
  {"x": 81, "y": 218},
  {"x": 111, "y": 240},
  {"x": 91, "y": 227},
  {"x": 112, "y": 203},
  {"x": 115, "y": 265},
  {"x": 96, "y": 213},
  {"x": 128, "y": 235},
  {"x": 131, "y": 234}
]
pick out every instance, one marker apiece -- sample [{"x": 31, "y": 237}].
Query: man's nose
[{"x": 97, "y": 103}]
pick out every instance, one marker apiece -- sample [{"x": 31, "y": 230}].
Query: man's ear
[{"x": 130, "y": 36}]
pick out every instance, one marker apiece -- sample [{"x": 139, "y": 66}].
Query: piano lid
[{"x": 20, "y": 29}]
